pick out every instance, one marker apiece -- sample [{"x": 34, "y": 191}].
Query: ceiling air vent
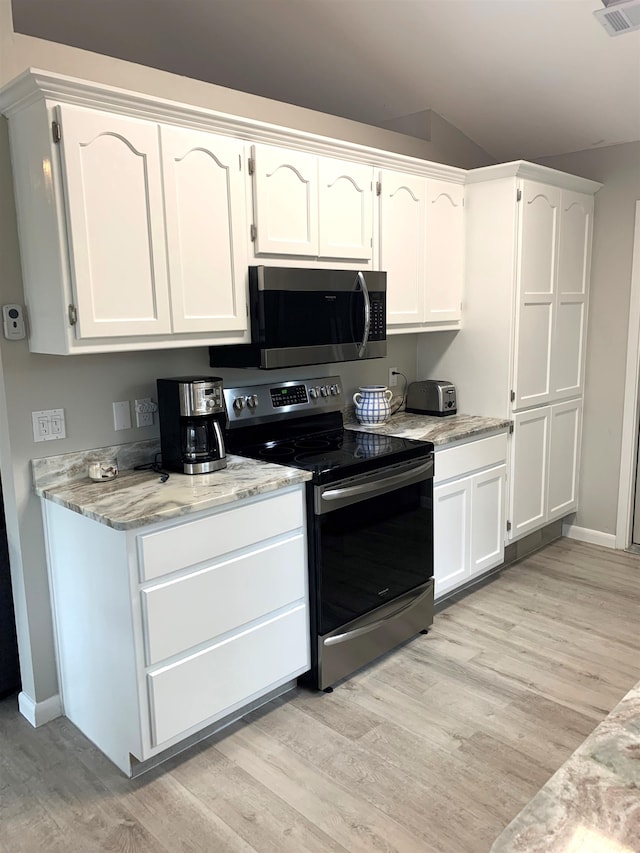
[{"x": 619, "y": 16}]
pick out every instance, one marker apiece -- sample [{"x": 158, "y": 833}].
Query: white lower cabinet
[
  {"x": 163, "y": 631},
  {"x": 468, "y": 511},
  {"x": 544, "y": 472}
]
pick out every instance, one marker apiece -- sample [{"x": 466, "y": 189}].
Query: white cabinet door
[
  {"x": 564, "y": 457},
  {"x": 111, "y": 172},
  {"x": 402, "y": 241},
  {"x": 206, "y": 230},
  {"x": 574, "y": 257},
  {"x": 451, "y": 526},
  {"x": 212, "y": 682},
  {"x": 345, "y": 199},
  {"x": 445, "y": 251},
  {"x": 487, "y": 520},
  {"x": 536, "y": 276},
  {"x": 529, "y": 467},
  {"x": 285, "y": 198}
]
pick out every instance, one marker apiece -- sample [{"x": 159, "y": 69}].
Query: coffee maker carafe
[{"x": 192, "y": 416}]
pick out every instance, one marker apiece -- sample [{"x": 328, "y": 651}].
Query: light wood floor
[{"x": 434, "y": 748}]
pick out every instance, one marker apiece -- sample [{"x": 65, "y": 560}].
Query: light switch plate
[
  {"x": 48, "y": 425},
  {"x": 121, "y": 415}
]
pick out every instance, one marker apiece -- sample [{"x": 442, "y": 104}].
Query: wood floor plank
[
  {"x": 354, "y": 824},
  {"x": 433, "y": 748}
]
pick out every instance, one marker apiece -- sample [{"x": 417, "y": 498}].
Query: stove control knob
[
  {"x": 335, "y": 390},
  {"x": 252, "y": 401},
  {"x": 324, "y": 390},
  {"x": 238, "y": 404},
  {"x": 313, "y": 393}
]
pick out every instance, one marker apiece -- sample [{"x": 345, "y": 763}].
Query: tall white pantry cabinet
[{"x": 522, "y": 352}]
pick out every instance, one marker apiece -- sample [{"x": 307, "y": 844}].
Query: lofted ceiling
[{"x": 521, "y": 78}]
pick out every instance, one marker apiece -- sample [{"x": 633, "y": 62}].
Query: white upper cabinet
[
  {"x": 345, "y": 203},
  {"x": 402, "y": 245},
  {"x": 111, "y": 173},
  {"x": 285, "y": 199},
  {"x": 553, "y": 275},
  {"x": 536, "y": 278},
  {"x": 311, "y": 207},
  {"x": 569, "y": 334},
  {"x": 445, "y": 251},
  {"x": 206, "y": 230},
  {"x": 421, "y": 248}
]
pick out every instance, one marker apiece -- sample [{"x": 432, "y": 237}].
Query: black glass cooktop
[{"x": 336, "y": 453}]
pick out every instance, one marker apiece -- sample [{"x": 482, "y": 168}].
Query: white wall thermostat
[{"x": 13, "y": 322}]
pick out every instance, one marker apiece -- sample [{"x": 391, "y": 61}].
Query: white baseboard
[
  {"x": 39, "y": 713},
  {"x": 593, "y": 537}
]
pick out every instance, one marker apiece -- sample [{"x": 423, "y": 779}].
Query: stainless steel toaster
[{"x": 432, "y": 397}]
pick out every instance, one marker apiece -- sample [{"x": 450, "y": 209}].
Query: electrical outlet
[
  {"x": 393, "y": 379},
  {"x": 48, "y": 425},
  {"x": 144, "y": 410},
  {"x": 121, "y": 415}
]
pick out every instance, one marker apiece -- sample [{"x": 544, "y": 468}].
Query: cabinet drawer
[
  {"x": 226, "y": 676},
  {"x": 203, "y": 540},
  {"x": 187, "y": 611},
  {"x": 459, "y": 461}
]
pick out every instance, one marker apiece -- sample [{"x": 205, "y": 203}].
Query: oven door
[{"x": 372, "y": 565}]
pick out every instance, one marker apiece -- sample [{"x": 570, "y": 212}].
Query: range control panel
[{"x": 260, "y": 403}]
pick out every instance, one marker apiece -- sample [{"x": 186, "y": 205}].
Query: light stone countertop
[
  {"x": 592, "y": 803},
  {"x": 137, "y": 498},
  {"x": 440, "y": 431}
]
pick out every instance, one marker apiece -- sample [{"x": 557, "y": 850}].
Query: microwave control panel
[{"x": 377, "y": 330}]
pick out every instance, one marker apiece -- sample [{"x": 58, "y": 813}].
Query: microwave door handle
[{"x": 367, "y": 314}]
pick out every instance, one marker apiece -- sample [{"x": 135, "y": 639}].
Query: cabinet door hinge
[
  {"x": 254, "y": 233},
  {"x": 252, "y": 165},
  {"x": 518, "y": 195},
  {"x": 56, "y": 132},
  {"x": 378, "y": 187},
  {"x": 508, "y": 525},
  {"x": 513, "y": 396},
  {"x": 511, "y": 429},
  {"x": 240, "y": 162},
  {"x": 73, "y": 315}
]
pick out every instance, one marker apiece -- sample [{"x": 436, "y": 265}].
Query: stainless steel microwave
[{"x": 310, "y": 316}]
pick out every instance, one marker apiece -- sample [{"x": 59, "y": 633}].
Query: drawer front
[
  {"x": 203, "y": 540},
  {"x": 460, "y": 461},
  {"x": 187, "y": 611},
  {"x": 212, "y": 683}
]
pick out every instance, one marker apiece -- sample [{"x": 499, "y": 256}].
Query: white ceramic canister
[{"x": 372, "y": 404}]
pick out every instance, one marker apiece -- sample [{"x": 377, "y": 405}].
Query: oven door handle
[
  {"x": 367, "y": 314},
  {"x": 381, "y": 485},
  {"x": 407, "y": 601}
]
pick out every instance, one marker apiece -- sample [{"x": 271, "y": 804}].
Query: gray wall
[
  {"x": 86, "y": 385},
  {"x": 618, "y": 168}
]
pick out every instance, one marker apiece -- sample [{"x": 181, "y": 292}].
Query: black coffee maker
[{"x": 192, "y": 417}]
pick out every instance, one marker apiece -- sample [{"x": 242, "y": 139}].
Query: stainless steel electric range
[{"x": 369, "y": 518}]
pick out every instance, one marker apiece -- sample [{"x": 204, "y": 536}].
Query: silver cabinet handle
[{"x": 367, "y": 314}]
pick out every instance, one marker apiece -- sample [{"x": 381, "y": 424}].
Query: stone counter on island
[{"x": 592, "y": 803}]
